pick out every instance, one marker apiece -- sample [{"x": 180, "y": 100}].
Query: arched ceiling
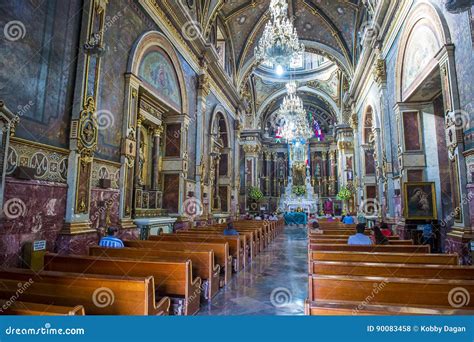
[{"x": 329, "y": 23}]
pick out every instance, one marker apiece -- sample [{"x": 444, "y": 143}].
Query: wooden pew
[
  {"x": 344, "y": 241},
  {"x": 237, "y": 244},
  {"x": 221, "y": 251},
  {"x": 398, "y": 258},
  {"x": 255, "y": 235},
  {"x": 392, "y": 270},
  {"x": 371, "y": 248},
  {"x": 171, "y": 278},
  {"x": 349, "y": 308},
  {"x": 251, "y": 237},
  {"x": 98, "y": 294},
  {"x": 203, "y": 262},
  {"x": 37, "y": 309},
  {"x": 431, "y": 293},
  {"x": 345, "y": 237}
]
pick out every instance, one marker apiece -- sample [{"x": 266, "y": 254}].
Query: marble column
[
  {"x": 84, "y": 125},
  {"x": 203, "y": 92},
  {"x": 274, "y": 174}
]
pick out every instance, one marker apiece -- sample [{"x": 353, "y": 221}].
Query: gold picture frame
[{"x": 419, "y": 201}]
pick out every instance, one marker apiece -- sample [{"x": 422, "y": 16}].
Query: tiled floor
[{"x": 274, "y": 284}]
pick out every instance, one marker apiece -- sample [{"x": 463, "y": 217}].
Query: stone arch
[
  {"x": 153, "y": 39},
  {"x": 424, "y": 20}
]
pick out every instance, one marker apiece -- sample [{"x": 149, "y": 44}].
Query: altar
[{"x": 299, "y": 193}]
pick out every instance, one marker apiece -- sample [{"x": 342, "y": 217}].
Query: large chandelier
[
  {"x": 296, "y": 126},
  {"x": 279, "y": 44}
]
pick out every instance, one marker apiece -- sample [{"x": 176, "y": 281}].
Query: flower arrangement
[
  {"x": 344, "y": 194},
  {"x": 255, "y": 194},
  {"x": 299, "y": 190}
]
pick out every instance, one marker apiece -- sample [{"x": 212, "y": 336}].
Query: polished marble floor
[{"x": 274, "y": 284}]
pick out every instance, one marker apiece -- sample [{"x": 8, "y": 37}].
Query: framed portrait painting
[{"x": 420, "y": 201}]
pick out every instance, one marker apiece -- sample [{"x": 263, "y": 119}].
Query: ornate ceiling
[{"x": 326, "y": 27}]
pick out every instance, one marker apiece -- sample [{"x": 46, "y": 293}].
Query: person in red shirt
[{"x": 385, "y": 229}]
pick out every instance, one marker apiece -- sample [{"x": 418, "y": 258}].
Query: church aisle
[{"x": 274, "y": 284}]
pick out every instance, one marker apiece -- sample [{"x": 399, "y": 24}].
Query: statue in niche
[{"x": 141, "y": 163}]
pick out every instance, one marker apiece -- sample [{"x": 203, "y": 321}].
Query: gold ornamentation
[{"x": 380, "y": 74}]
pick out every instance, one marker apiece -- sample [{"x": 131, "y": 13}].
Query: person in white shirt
[{"x": 359, "y": 238}]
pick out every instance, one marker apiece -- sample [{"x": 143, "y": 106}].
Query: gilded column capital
[
  {"x": 379, "y": 71},
  {"x": 158, "y": 131}
]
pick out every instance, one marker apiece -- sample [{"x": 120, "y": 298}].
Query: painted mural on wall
[
  {"x": 421, "y": 49},
  {"x": 157, "y": 71},
  {"x": 124, "y": 24},
  {"x": 37, "y": 66}
]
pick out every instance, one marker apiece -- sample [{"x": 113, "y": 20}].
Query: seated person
[
  {"x": 315, "y": 228},
  {"x": 385, "y": 229},
  {"x": 348, "y": 219},
  {"x": 378, "y": 238},
  {"x": 361, "y": 218},
  {"x": 230, "y": 229},
  {"x": 258, "y": 218},
  {"x": 111, "y": 241},
  {"x": 273, "y": 217},
  {"x": 359, "y": 238}
]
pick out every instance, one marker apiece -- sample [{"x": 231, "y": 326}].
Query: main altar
[{"x": 299, "y": 193}]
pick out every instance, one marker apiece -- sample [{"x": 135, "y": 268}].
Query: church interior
[{"x": 163, "y": 125}]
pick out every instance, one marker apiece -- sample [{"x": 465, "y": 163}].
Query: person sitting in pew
[
  {"x": 385, "y": 229},
  {"x": 348, "y": 219},
  {"x": 230, "y": 229},
  {"x": 379, "y": 238},
  {"x": 359, "y": 238},
  {"x": 111, "y": 241}
]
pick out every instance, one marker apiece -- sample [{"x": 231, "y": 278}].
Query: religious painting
[
  {"x": 158, "y": 72},
  {"x": 420, "y": 52},
  {"x": 420, "y": 200},
  {"x": 411, "y": 129}
]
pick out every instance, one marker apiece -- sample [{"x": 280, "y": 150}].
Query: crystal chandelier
[
  {"x": 279, "y": 44},
  {"x": 292, "y": 110}
]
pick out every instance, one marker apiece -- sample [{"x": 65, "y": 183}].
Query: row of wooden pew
[
  {"x": 167, "y": 274},
  {"x": 395, "y": 279}
]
